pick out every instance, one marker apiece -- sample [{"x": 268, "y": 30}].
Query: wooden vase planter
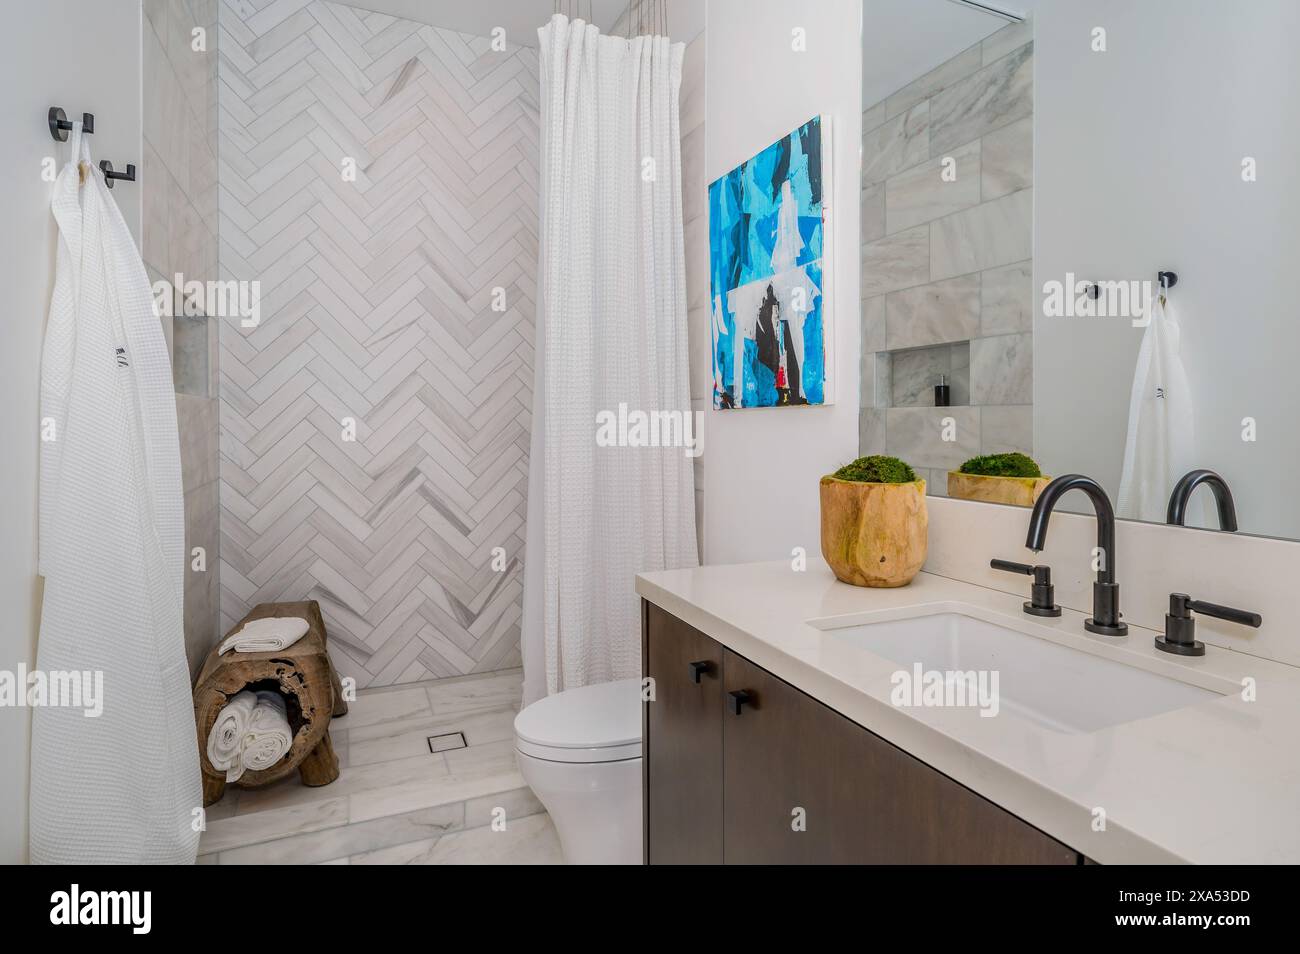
[
  {"x": 873, "y": 534},
  {"x": 1015, "y": 491},
  {"x": 312, "y": 691}
]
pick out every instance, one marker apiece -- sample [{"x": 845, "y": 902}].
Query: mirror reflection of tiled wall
[{"x": 946, "y": 260}]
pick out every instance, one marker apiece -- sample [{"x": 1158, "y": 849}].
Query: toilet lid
[{"x": 589, "y": 724}]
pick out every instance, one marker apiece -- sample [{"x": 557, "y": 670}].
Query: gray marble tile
[
  {"x": 1007, "y": 299},
  {"x": 941, "y": 77},
  {"x": 915, "y": 434},
  {"x": 1007, "y": 428},
  {"x": 884, "y": 378},
  {"x": 409, "y": 737},
  {"x": 916, "y": 372},
  {"x": 873, "y": 116},
  {"x": 190, "y": 355},
  {"x": 517, "y": 803},
  {"x": 421, "y": 772},
  {"x": 872, "y": 212},
  {"x": 921, "y": 193},
  {"x": 986, "y": 236},
  {"x": 240, "y": 830},
  {"x": 933, "y": 313},
  {"x": 201, "y": 597},
  {"x": 866, "y": 378},
  {"x": 871, "y": 431},
  {"x": 936, "y": 482},
  {"x": 196, "y": 420},
  {"x": 896, "y": 261},
  {"x": 896, "y": 144},
  {"x": 1010, "y": 37},
  {"x": 527, "y": 841},
  {"x": 1002, "y": 369},
  {"x": 466, "y": 694},
  {"x": 873, "y": 323},
  {"x": 1000, "y": 93},
  {"x": 350, "y": 839},
  {"x": 154, "y": 195},
  {"x": 376, "y": 708},
  {"x": 473, "y": 772},
  {"x": 1007, "y": 162}
]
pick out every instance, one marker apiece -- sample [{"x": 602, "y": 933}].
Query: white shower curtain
[
  {"x": 611, "y": 330},
  {"x": 121, "y": 787}
]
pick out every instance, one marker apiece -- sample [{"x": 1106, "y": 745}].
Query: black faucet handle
[
  {"x": 1180, "y": 624},
  {"x": 1042, "y": 594}
]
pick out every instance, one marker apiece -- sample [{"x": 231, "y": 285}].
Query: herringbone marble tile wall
[{"x": 378, "y": 305}]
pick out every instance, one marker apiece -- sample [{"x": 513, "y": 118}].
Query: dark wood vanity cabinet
[{"x": 742, "y": 768}]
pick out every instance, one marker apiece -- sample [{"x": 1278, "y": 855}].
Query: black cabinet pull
[
  {"x": 738, "y": 698},
  {"x": 698, "y": 669}
]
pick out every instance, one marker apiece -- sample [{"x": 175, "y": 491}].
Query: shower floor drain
[{"x": 444, "y": 743}]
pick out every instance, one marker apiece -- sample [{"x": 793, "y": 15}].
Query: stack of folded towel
[
  {"x": 270, "y": 635},
  {"x": 251, "y": 734}
]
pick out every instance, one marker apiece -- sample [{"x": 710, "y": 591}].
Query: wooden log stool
[{"x": 312, "y": 691}]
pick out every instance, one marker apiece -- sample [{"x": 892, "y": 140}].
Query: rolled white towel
[
  {"x": 268, "y": 635},
  {"x": 226, "y": 740},
  {"x": 268, "y": 735}
]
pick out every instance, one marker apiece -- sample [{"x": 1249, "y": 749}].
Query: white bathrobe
[
  {"x": 122, "y": 787},
  {"x": 1161, "y": 435}
]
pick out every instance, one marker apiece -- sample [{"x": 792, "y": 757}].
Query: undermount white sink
[{"x": 1063, "y": 689}]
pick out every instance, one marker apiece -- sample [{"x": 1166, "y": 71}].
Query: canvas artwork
[{"x": 767, "y": 268}]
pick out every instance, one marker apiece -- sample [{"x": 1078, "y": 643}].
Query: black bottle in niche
[{"x": 941, "y": 393}]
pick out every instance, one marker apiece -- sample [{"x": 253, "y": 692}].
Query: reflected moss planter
[
  {"x": 874, "y": 534},
  {"x": 1014, "y": 491}
]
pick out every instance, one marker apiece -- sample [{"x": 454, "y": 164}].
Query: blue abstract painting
[{"x": 767, "y": 248}]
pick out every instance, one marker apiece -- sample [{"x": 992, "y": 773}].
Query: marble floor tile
[
  {"x": 451, "y": 697},
  {"x": 409, "y": 737},
  {"x": 418, "y": 770},
  {"x": 350, "y": 839},
  {"x": 528, "y": 841},
  {"x": 239, "y": 830},
  {"x": 373, "y": 708}
]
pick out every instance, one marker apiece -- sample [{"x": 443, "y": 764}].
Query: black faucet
[
  {"x": 1222, "y": 498},
  {"x": 1105, "y": 591}
]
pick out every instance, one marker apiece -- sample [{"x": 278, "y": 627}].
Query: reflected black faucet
[
  {"x": 1105, "y": 591},
  {"x": 1222, "y": 498}
]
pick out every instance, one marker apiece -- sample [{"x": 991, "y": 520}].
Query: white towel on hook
[
  {"x": 122, "y": 788},
  {"x": 1161, "y": 431}
]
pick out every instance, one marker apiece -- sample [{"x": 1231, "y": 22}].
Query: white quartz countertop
[{"x": 1214, "y": 782}]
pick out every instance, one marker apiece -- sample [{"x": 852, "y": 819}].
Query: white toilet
[{"x": 580, "y": 751}]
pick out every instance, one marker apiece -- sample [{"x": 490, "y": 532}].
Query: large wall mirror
[{"x": 1080, "y": 242}]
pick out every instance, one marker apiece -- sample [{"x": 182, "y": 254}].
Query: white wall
[
  {"x": 1137, "y": 168},
  {"x": 85, "y": 57},
  {"x": 762, "y": 465}
]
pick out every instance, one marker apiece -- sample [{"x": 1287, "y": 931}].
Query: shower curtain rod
[{"x": 990, "y": 9}]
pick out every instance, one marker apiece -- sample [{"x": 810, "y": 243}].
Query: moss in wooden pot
[
  {"x": 1013, "y": 479},
  {"x": 874, "y": 522}
]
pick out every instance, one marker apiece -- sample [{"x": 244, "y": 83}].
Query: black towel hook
[
  {"x": 60, "y": 125},
  {"x": 1167, "y": 280},
  {"x": 106, "y": 167}
]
